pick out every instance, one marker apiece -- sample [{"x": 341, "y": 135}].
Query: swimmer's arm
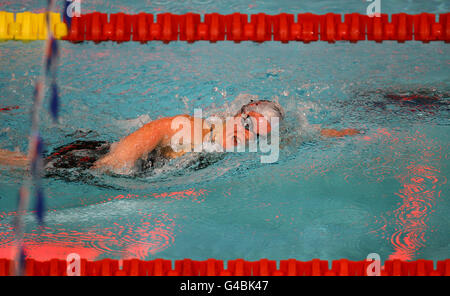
[
  {"x": 13, "y": 158},
  {"x": 333, "y": 133},
  {"x": 124, "y": 154}
]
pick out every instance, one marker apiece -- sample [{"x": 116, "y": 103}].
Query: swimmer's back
[{"x": 81, "y": 156}]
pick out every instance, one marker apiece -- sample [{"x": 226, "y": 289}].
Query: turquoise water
[{"x": 384, "y": 191}]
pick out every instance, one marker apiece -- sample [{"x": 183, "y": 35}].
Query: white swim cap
[{"x": 266, "y": 108}]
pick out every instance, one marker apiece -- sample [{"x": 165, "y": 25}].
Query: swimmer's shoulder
[{"x": 173, "y": 121}]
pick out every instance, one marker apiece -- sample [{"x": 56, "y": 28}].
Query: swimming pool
[{"x": 384, "y": 191}]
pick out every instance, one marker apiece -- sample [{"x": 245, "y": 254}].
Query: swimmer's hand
[
  {"x": 110, "y": 163},
  {"x": 13, "y": 158},
  {"x": 332, "y": 133}
]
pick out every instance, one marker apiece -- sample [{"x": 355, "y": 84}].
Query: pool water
[{"x": 384, "y": 191}]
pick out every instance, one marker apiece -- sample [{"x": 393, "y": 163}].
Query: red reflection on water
[
  {"x": 418, "y": 194},
  {"x": 46, "y": 250},
  {"x": 9, "y": 108},
  {"x": 123, "y": 237},
  {"x": 419, "y": 187},
  {"x": 414, "y": 161}
]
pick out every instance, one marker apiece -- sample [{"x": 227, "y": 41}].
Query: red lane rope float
[
  {"x": 237, "y": 27},
  {"x": 238, "y": 267}
]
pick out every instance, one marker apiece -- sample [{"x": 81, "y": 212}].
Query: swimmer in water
[{"x": 137, "y": 150}]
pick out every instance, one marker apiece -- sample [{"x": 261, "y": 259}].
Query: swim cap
[{"x": 266, "y": 108}]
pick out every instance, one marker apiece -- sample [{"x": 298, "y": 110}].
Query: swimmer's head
[
  {"x": 254, "y": 120},
  {"x": 261, "y": 113},
  {"x": 267, "y": 108}
]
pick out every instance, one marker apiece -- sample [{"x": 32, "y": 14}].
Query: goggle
[{"x": 248, "y": 125}]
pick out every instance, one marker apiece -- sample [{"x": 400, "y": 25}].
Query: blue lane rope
[{"x": 36, "y": 143}]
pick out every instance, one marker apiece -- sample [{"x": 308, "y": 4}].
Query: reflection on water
[
  {"x": 420, "y": 186},
  {"x": 420, "y": 180},
  {"x": 133, "y": 231}
]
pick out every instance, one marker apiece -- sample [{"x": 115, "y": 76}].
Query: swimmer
[{"x": 153, "y": 140}]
